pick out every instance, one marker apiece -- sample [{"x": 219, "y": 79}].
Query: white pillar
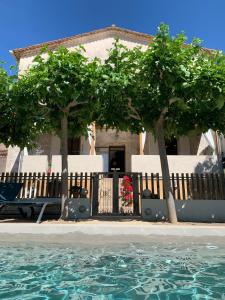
[
  {"x": 142, "y": 138},
  {"x": 92, "y": 138}
]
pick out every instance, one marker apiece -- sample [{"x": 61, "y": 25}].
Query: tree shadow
[{"x": 209, "y": 166}]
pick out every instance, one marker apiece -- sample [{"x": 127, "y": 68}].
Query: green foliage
[
  {"x": 187, "y": 82},
  {"x": 116, "y": 88},
  {"x": 18, "y": 123},
  {"x": 8, "y": 110},
  {"x": 60, "y": 83},
  {"x": 4, "y": 104},
  {"x": 130, "y": 90},
  {"x": 183, "y": 83}
]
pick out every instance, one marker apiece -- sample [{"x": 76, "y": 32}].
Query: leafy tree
[
  {"x": 117, "y": 89},
  {"x": 182, "y": 90},
  {"x": 14, "y": 128},
  {"x": 6, "y": 108},
  {"x": 169, "y": 89},
  {"x": 58, "y": 92}
]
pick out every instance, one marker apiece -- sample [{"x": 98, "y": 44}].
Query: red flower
[{"x": 126, "y": 191}]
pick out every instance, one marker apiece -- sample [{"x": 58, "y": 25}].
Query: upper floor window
[
  {"x": 73, "y": 146},
  {"x": 171, "y": 146}
]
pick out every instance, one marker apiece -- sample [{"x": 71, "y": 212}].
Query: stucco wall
[
  {"x": 177, "y": 163},
  {"x": 13, "y": 159},
  {"x": 47, "y": 144},
  {"x": 79, "y": 163},
  {"x": 3, "y": 157},
  {"x": 85, "y": 147},
  {"x": 2, "y": 164},
  {"x": 185, "y": 145},
  {"x": 187, "y": 210},
  {"x": 34, "y": 163},
  {"x": 94, "y": 48}
]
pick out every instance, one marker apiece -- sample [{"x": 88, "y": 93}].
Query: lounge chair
[{"x": 9, "y": 191}]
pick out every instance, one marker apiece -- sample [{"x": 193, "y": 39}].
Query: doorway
[
  {"x": 74, "y": 146},
  {"x": 117, "y": 159}
]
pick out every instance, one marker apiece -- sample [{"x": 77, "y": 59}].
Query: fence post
[
  {"x": 141, "y": 183},
  {"x": 157, "y": 185},
  {"x": 136, "y": 194},
  {"x": 188, "y": 187},
  {"x": 222, "y": 186},
  {"x": 115, "y": 193},
  {"x": 95, "y": 194}
]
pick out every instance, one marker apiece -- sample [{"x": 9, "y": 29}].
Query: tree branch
[
  {"x": 135, "y": 114},
  {"x": 72, "y": 104},
  {"x": 165, "y": 110}
]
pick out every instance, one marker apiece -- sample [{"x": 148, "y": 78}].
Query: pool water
[{"x": 151, "y": 270}]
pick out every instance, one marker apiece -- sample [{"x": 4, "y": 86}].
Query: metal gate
[{"x": 116, "y": 194}]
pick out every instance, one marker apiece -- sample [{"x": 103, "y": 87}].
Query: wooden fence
[
  {"x": 42, "y": 185},
  {"x": 187, "y": 186},
  {"x": 184, "y": 186}
]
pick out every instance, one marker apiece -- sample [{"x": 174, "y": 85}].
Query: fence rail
[
  {"x": 184, "y": 186},
  {"x": 42, "y": 185}
]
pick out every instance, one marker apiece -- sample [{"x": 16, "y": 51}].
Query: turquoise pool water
[{"x": 151, "y": 270}]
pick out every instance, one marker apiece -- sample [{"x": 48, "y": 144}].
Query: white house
[{"x": 108, "y": 150}]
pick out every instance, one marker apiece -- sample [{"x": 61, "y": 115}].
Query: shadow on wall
[
  {"x": 207, "y": 151},
  {"x": 2, "y": 164},
  {"x": 15, "y": 166},
  {"x": 210, "y": 165}
]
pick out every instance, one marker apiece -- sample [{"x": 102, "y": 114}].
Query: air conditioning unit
[{"x": 79, "y": 208}]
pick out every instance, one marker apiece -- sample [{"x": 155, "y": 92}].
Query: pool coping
[{"x": 108, "y": 228}]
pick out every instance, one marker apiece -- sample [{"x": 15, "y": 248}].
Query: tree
[
  {"x": 15, "y": 130},
  {"x": 169, "y": 89},
  {"x": 183, "y": 89},
  {"x": 6, "y": 108},
  {"x": 117, "y": 89},
  {"x": 58, "y": 92}
]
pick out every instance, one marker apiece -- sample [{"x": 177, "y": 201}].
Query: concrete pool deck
[{"x": 113, "y": 228}]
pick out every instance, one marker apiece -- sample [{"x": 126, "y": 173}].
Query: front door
[{"x": 117, "y": 159}]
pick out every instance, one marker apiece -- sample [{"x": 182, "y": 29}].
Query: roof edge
[{"x": 18, "y": 52}]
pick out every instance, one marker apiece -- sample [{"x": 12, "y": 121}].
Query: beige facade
[
  {"x": 110, "y": 145},
  {"x": 191, "y": 154}
]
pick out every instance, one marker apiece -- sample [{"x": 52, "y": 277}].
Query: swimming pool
[{"x": 154, "y": 269}]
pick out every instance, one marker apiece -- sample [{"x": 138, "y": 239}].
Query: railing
[
  {"x": 42, "y": 185},
  {"x": 186, "y": 186}
]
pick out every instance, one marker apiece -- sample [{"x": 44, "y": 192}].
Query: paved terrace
[{"x": 123, "y": 228}]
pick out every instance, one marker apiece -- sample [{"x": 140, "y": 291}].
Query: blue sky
[{"x": 26, "y": 22}]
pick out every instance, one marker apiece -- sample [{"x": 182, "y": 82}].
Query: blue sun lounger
[{"x": 10, "y": 190}]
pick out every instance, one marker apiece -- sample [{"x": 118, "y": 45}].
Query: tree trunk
[
  {"x": 165, "y": 173},
  {"x": 64, "y": 153}
]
